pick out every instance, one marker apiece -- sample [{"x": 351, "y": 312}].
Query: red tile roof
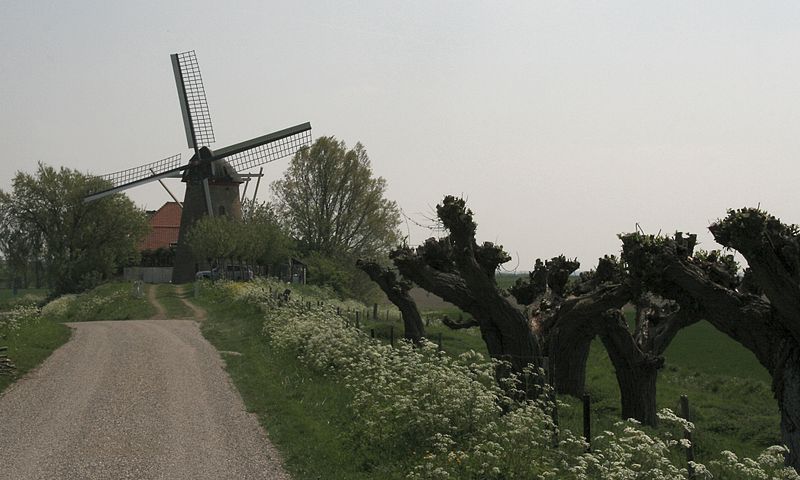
[{"x": 165, "y": 224}]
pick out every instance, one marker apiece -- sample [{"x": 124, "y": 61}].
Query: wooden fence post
[
  {"x": 357, "y": 315},
  {"x": 372, "y": 333},
  {"x": 688, "y": 436},
  {"x": 374, "y": 311},
  {"x": 440, "y": 341},
  {"x": 587, "y": 421},
  {"x": 391, "y": 335}
]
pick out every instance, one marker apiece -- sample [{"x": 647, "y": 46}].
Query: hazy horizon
[{"x": 561, "y": 123}]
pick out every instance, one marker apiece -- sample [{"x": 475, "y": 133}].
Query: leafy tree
[
  {"x": 211, "y": 238},
  {"x": 81, "y": 243},
  {"x": 256, "y": 239},
  {"x": 332, "y": 203},
  {"x": 336, "y": 209},
  {"x": 267, "y": 241}
]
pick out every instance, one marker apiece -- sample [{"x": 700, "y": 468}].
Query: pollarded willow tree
[
  {"x": 567, "y": 317},
  {"x": 397, "y": 290},
  {"x": 462, "y": 272},
  {"x": 563, "y": 320},
  {"x": 760, "y": 310}
]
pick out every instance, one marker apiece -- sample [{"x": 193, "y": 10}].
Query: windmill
[{"x": 211, "y": 176}]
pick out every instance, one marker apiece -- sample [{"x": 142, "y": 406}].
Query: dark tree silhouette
[
  {"x": 462, "y": 272},
  {"x": 768, "y": 324},
  {"x": 396, "y": 289}
]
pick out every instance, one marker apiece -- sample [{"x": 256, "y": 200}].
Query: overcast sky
[{"x": 562, "y": 123}]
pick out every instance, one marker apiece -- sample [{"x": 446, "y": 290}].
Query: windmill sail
[
  {"x": 131, "y": 177},
  {"x": 267, "y": 148},
  {"x": 192, "y": 96}
]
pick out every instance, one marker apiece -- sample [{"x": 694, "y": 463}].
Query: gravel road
[{"x": 143, "y": 399}]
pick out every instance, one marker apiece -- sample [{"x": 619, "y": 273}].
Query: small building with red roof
[{"x": 165, "y": 223}]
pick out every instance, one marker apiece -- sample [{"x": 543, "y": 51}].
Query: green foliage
[
  {"x": 24, "y": 297},
  {"x": 109, "y": 301},
  {"x": 333, "y": 205},
  {"x": 748, "y": 227},
  {"x": 81, "y": 243},
  {"x": 30, "y": 343},
  {"x": 257, "y": 238},
  {"x": 341, "y": 274},
  {"x": 160, "y": 257}
]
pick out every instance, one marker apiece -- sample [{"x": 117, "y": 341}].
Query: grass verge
[
  {"x": 110, "y": 301},
  {"x": 304, "y": 413},
  {"x": 29, "y": 345},
  {"x": 170, "y": 297},
  {"x": 24, "y": 296}
]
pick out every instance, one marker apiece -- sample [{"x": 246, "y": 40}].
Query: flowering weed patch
[
  {"x": 17, "y": 317},
  {"x": 110, "y": 301},
  {"x": 437, "y": 416}
]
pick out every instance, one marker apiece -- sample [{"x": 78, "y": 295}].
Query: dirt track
[{"x": 140, "y": 399}]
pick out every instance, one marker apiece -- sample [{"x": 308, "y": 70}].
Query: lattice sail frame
[
  {"x": 281, "y": 144},
  {"x": 149, "y": 171},
  {"x": 192, "y": 96}
]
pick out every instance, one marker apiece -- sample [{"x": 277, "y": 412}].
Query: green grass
[
  {"x": 729, "y": 391},
  {"x": 730, "y": 413},
  {"x": 24, "y": 296},
  {"x": 703, "y": 349},
  {"x": 32, "y": 343},
  {"x": 169, "y": 296},
  {"x": 109, "y": 301},
  {"x": 304, "y": 413}
]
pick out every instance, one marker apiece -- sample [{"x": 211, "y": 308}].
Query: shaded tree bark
[
  {"x": 396, "y": 289},
  {"x": 766, "y": 325},
  {"x": 568, "y": 332},
  {"x": 636, "y": 370},
  {"x": 460, "y": 324},
  {"x": 462, "y": 272},
  {"x": 567, "y": 325}
]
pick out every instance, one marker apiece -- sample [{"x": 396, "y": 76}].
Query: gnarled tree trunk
[
  {"x": 462, "y": 272},
  {"x": 568, "y": 333},
  {"x": 396, "y": 289},
  {"x": 636, "y": 370},
  {"x": 769, "y": 327}
]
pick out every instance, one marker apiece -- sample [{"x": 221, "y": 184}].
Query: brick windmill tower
[{"x": 212, "y": 177}]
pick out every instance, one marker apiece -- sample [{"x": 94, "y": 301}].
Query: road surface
[{"x": 143, "y": 399}]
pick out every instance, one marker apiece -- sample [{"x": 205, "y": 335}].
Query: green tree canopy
[
  {"x": 258, "y": 238},
  {"x": 81, "y": 243},
  {"x": 333, "y": 205}
]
